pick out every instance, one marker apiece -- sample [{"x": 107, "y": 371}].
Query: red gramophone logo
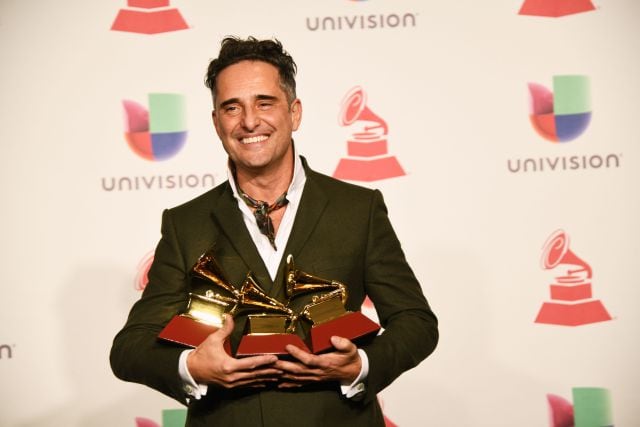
[
  {"x": 367, "y": 152},
  {"x": 571, "y": 302},
  {"x": 555, "y": 8},
  {"x": 149, "y": 17}
]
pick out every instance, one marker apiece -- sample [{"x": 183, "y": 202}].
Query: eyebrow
[{"x": 257, "y": 97}]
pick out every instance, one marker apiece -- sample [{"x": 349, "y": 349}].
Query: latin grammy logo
[
  {"x": 368, "y": 158},
  {"x": 571, "y": 296},
  {"x": 555, "y": 8},
  {"x": 149, "y": 17}
]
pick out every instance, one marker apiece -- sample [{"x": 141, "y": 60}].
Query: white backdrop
[{"x": 449, "y": 79}]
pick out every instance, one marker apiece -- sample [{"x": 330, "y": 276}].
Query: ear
[
  {"x": 296, "y": 113},
  {"x": 214, "y": 118}
]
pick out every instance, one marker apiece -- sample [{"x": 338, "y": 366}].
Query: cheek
[{"x": 224, "y": 127}]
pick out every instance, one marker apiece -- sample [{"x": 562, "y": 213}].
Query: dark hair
[{"x": 234, "y": 50}]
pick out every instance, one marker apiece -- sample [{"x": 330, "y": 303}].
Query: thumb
[
  {"x": 341, "y": 344},
  {"x": 227, "y": 327}
]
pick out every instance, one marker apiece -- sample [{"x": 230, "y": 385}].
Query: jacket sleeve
[
  {"x": 136, "y": 354},
  {"x": 410, "y": 327}
]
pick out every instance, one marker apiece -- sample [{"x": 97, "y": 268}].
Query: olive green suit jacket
[{"x": 342, "y": 232}]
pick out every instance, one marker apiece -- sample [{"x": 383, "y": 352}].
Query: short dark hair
[{"x": 234, "y": 50}]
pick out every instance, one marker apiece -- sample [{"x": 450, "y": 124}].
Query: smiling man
[{"x": 274, "y": 205}]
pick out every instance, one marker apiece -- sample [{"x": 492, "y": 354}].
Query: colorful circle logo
[
  {"x": 158, "y": 133},
  {"x": 565, "y": 113}
]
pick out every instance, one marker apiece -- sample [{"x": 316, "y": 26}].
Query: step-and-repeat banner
[{"x": 504, "y": 135}]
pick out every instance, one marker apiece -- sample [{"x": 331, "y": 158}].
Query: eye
[
  {"x": 264, "y": 105},
  {"x": 231, "y": 109}
]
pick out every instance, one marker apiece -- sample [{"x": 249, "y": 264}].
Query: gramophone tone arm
[{"x": 334, "y": 286}]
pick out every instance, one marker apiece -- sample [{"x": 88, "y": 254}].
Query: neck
[{"x": 266, "y": 185}]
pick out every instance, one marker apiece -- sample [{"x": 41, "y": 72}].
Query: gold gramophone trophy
[
  {"x": 270, "y": 328},
  {"x": 267, "y": 331},
  {"x": 270, "y": 324},
  {"x": 325, "y": 316},
  {"x": 205, "y": 311}
]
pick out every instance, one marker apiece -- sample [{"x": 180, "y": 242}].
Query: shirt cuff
[
  {"x": 192, "y": 388},
  {"x": 357, "y": 386}
]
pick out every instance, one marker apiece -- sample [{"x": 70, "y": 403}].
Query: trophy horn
[
  {"x": 354, "y": 107},
  {"x": 298, "y": 282},
  {"x": 556, "y": 251},
  {"x": 253, "y": 297},
  {"x": 207, "y": 268}
]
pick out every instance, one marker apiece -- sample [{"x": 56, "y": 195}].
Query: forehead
[{"x": 248, "y": 79}]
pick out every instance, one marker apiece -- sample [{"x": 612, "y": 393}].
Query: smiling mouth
[{"x": 254, "y": 139}]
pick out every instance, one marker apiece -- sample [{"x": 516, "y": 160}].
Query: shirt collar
[{"x": 297, "y": 182}]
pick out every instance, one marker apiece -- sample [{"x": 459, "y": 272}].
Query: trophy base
[
  {"x": 254, "y": 345},
  {"x": 572, "y": 314},
  {"x": 354, "y": 326},
  {"x": 186, "y": 331},
  {"x": 368, "y": 170}
]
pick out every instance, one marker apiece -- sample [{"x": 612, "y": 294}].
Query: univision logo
[
  {"x": 149, "y": 17},
  {"x": 563, "y": 114},
  {"x": 372, "y": 21},
  {"x": 362, "y": 22},
  {"x": 591, "y": 408},
  {"x": 157, "y": 133},
  {"x": 555, "y": 8}
]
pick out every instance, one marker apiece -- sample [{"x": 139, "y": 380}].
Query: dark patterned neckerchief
[{"x": 262, "y": 210}]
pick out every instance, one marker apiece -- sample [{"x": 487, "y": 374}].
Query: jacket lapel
[
  {"x": 228, "y": 217},
  {"x": 313, "y": 203}
]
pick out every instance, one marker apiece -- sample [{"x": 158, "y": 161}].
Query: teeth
[{"x": 254, "y": 139}]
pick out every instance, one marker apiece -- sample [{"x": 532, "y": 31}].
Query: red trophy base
[
  {"x": 186, "y": 331},
  {"x": 572, "y": 314},
  {"x": 353, "y": 326},
  {"x": 368, "y": 170},
  {"x": 161, "y": 21},
  {"x": 254, "y": 345},
  {"x": 555, "y": 8}
]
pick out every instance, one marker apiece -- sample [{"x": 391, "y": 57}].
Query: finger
[
  {"x": 343, "y": 344},
  {"x": 227, "y": 327},
  {"x": 253, "y": 377},
  {"x": 244, "y": 377},
  {"x": 304, "y": 376},
  {"x": 253, "y": 362},
  {"x": 303, "y": 356},
  {"x": 253, "y": 383},
  {"x": 291, "y": 367}
]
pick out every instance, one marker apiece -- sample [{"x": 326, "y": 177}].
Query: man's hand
[
  {"x": 341, "y": 365},
  {"x": 210, "y": 364}
]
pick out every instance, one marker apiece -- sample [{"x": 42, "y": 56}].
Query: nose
[{"x": 250, "y": 119}]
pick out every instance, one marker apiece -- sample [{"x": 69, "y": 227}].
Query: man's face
[{"x": 253, "y": 117}]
